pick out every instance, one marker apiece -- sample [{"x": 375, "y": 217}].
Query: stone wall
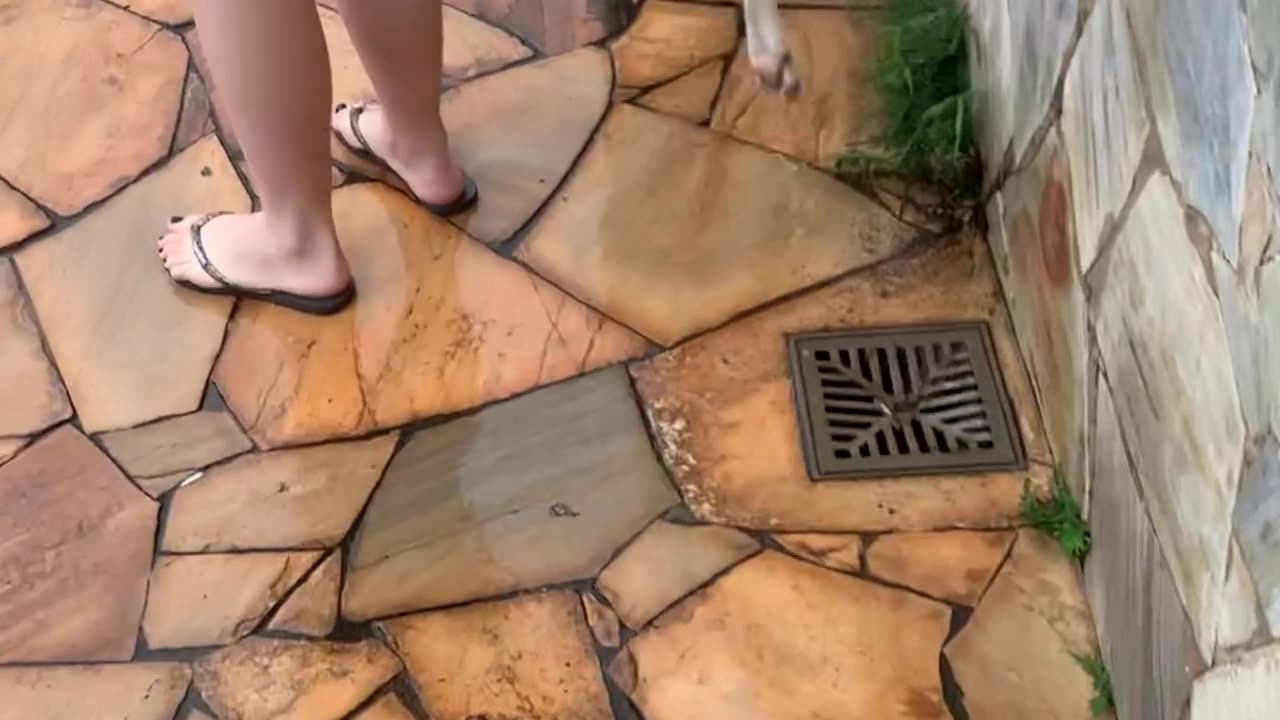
[{"x": 1132, "y": 151}]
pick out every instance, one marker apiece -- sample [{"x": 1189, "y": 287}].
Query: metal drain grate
[{"x": 902, "y": 401}]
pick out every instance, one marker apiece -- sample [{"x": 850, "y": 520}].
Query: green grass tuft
[
  {"x": 922, "y": 78},
  {"x": 1103, "y": 700},
  {"x": 1059, "y": 517}
]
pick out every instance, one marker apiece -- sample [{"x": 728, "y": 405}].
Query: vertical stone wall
[{"x": 1132, "y": 150}]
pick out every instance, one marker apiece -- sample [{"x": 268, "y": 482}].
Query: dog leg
[{"x": 767, "y": 48}]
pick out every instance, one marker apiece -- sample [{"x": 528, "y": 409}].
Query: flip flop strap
[
  {"x": 353, "y": 119},
  {"x": 197, "y": 249}
]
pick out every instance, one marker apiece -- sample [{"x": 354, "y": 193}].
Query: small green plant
[
  {"x": 1059, "y": 516},
  {"x": 921, "y": 75},
  {"x": 1103, "y": 700}
]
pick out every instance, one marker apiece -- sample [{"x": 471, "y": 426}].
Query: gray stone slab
[
  {"x": 1257, "y": 517},
  {"x": 1247, "y": 688}
]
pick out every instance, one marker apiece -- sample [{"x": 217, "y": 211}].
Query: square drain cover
[{"x": 902, "y": 401}]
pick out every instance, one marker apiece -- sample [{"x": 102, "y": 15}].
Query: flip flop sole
[{"x": 309, "y": 304}]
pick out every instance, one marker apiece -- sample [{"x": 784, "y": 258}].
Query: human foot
[
  {"x": 423, "y": 163},
  {"x": 253, "y": 253}
]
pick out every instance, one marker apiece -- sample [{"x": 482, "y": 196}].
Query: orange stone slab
[
  {"x": 689, "y": 96},
  {"x": 75, "y": 555},
  {"x": 186, "y": 442},
  {"x": 30, "y": 391},
  {"x": 724, "y": 418},
  {"x": 833, "y": 52},
  {"x": 73, "y": 79},
  {"x": 673, "y": 253},
  {"x": 782, "y": 639},
  {"x": 297, "y": 498},
  {"x": 141, "y": 691},
  {"x": 671, "y": 38},
  {"x": 954, "y": 566},
  {"x": 838, "y": 551},
  {"x": 130, "y": 345},
  {"x": 440, "y": 325},
  {"x": 262, "y": 678},
  {"x": 19, "y": 217},
  {"x": 204, "y": 600},
  {"x": 553, "y": 26},
  {"x": 312, "y": 609},
  {"x": 529, "y": 657}
]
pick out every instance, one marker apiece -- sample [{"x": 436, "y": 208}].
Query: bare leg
[
  {"x": 269, "y": 63},
  {"x": 400, "y": 44}
]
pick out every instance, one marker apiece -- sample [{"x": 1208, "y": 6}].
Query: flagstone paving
[{"x": 547, "y": 466}]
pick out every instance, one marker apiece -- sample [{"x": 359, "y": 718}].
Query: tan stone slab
[
  {"x": 667, "y": 562},
  {"x": 74, "y": 76},
  {"x": 689, "y": 96},
  {"x": 30, "y": 391},
  {"x": 529, "y": 657},
  {"x": 262, "y": 678},
  {"x": 539, "y": 490},
  {"x": 161, "y": 484},
  {"x": 196, "y": 714},
  {"x": 955, "y": 566},
  {"x": 1013, "y": 659},
  {"x": 833, "y": 52},
  {"x": 388, "y": 707},
  {"x": 75, "y": 556},
  {"x": 495, "y": 330},
  {"x": 669, "y": 39},
  {"x": 838, "y": 551},
  {"x": 724, "y": 418},
  {"x": 300, "y": 498},
  {"x": 553, "y": 26},
  {"x": 9, "y": 447},
  {"x": 671, "y": 254},
  {"x": 203, "y": 600},
  {"x": 782, "y": 639},
  {"x": 172, "y": 12},
  {"x": 131, "y": 346},
  {"x": 141, "y": 691},
  {"x": 196, "y": 117},
  {"x": 602, "y": 620},
  {"x": 312, "y": 609},
  {"x": 19, "y": 217},
  {"x": 187, "y": 442},
  {"x": 1241, "y": 622},
  {"x": 1248, "y": 687}
]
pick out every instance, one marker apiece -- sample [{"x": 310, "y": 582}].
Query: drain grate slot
[{"x": 902, "y": 401}]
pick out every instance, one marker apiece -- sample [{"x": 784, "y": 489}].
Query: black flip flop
[
  {"x": 310, "y": 304},
  {"x": 467, "y": 198}
]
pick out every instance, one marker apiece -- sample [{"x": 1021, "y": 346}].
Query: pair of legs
[{"x": 270, "y": 66}]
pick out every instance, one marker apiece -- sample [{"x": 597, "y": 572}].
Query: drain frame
[{"x": 1007, "y": 452}]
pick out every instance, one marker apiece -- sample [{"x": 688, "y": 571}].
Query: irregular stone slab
[
  {"x": 955, "y": 566},
  {"x": 667, "y": 562},
  {"x": 195, "y": 120},
  {"x": 1200, "y": 82},
  {"x": 74, "y": 75},
  {"x": 1241, "y": 622},
  {"x": 1104, "y": 124},
  {"x": 834, "y": 52},
  {"x": 857, "y": 649},
  {"x": 10, "y": 447},
  {"x": 30, "y": 392},
  {"x": 141, "y": 691},
  {"x": 19, "y": 217},
  {"x": 689, "y": 96},
  {"x": 202, "y": 600},
  {"x": 171, "y": 12},
  {"x": 1246, "y": 688},
  {"x": 262, "y": 678},
  {"x": 529, "y": 657},
  {"x": 1147, "y": 641},
  {"x": 841, "y": 552},
  {"x": 1256, "y": 511},
  {"x": 602, "y": 620},
  {"x": 304, "y": 498},
  {"x": 495, "y": 330},
  {"x": 671, "y": 38},
  {"x": 75, "y": 556},
  {"x": 537, "y": 490},
  {"x": 724, "y": 420},
  {"x": 199, "y": 715},
  {"x": 161, "y": 484},
  {"x": 312, "y": 609},
  {"x": 1190, "y": 470},
  {"x": 1045, "y": 290},
  {"x": 187, "y": 442},
  {"x": 553, "y": 26},
  {"x": 388, "y": 707},
  {"x": 131, "y": 347},
  {"x": 635, "y": 240},
  {"x": 1014, "y": 659}
]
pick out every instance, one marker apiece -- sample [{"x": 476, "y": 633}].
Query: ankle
[{"x": 301, "y": 235}]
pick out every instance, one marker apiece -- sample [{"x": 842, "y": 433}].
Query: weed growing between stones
[
  {"x": 1059, "y": 516},
  {"x": 1103, "y": 700}
]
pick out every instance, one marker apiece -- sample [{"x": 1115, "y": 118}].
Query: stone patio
[{"x": 547, "y": 467}]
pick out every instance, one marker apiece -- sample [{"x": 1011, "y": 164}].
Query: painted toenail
[
  {"x": 340, "y": 107},
  {"x": 175, "y": 218}
]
